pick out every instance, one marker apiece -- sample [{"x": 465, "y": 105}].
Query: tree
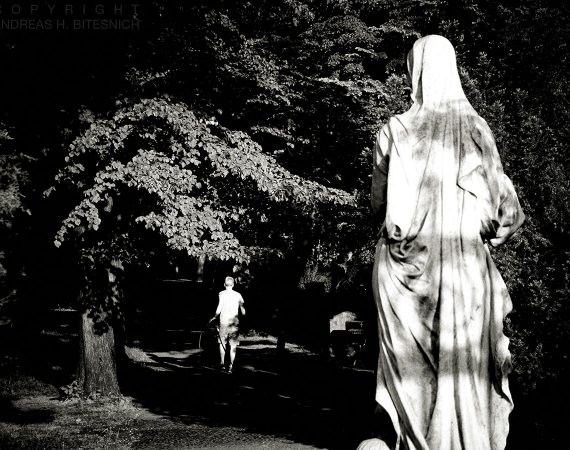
[
  {"x": 310, "y": 81},
  {"x": 13, "y": 180},
  {"x": 154, "y": 176}
]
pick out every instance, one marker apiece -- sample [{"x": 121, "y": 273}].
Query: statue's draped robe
[{"x": 444, "y": 360}]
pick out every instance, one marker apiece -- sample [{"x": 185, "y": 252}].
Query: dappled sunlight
[{"x": 295, "y": 396}]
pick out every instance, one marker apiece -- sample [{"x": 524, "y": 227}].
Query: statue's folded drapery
[{"x": 444, "y": 360}]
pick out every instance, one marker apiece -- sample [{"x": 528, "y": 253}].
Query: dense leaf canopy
[
  {"x": 196, "y": 181},
  {"x": 231, "y": 128}
]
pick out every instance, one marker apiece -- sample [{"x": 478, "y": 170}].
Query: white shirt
[{"x": 228, "y": 306}]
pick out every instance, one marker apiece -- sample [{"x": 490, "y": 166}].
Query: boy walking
[{"x": 229, "y": 306}]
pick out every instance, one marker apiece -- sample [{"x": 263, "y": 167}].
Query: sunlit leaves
[{"x": 162, "y": 150}]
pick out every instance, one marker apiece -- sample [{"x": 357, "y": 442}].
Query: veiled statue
[{"x": 439, "y": 185}]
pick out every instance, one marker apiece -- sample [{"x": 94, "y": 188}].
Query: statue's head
[{"x": 432, "y": 71}]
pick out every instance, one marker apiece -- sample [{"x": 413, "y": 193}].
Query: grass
[
  {"x": 14, "y": 383},
  {"x": 33, "y": 417},
  {"x": 75, "y": 424}
]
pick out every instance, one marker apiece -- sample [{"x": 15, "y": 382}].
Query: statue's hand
[
  {"x": 373, "y": 444},
  {"x": 489, "y": 229}
]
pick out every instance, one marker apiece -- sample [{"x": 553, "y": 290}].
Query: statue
[{"x": 439, "y": 183}]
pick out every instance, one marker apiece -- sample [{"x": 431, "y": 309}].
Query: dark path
[
  {"x": 297, "y": 401},
  {"x": 298, "y": 397}
]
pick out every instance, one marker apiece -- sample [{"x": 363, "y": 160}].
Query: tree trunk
[
  {"x": 312, "y": 271},
  {"x": 97, "y": 372},
  {"x": 200, "y": 268},
  {"x": 97, "y": 363}
]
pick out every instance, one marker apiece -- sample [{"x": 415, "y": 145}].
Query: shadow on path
[{"x": 296, "y": 396}]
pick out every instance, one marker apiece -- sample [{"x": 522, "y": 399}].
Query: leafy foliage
[
  {"x": 185, "y": 174},
  {"x": 311, "y": 82},
  {"x": 272, "y": 94},
  {"x": 13, "y": 176},
  {"x": 13, "y": 179}
]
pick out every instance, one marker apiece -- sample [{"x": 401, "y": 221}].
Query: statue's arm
[
  {"x": 502, "y": 214},
  {"x": 380, "y": 166},
  {"x": 511, "y": 216}
]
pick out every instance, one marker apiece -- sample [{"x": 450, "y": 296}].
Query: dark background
[{"x": 311, "y": 81}]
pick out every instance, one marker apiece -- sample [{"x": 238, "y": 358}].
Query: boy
[{"x": 229, "y": 306}]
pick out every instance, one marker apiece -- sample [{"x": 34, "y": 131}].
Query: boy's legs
[
  {"x": 222, "y": 341},
  {"x": 233, "y": 350}
]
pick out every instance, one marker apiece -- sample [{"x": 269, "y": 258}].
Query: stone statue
[{"x": 439, "y": 183}]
